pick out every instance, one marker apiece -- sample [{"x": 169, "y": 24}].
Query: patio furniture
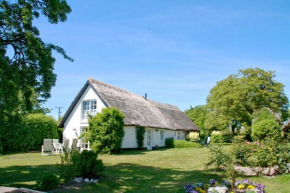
[
  {"x": 74, "y": 143},
  {"x": 47, "y": 148},
  {"x": 65, "y": 144},
  {"x": 57, "y": 147}
]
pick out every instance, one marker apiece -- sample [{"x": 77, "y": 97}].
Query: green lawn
[{"x": 132, "y": 171}]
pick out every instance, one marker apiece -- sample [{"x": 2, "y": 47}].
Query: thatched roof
[{"x": 138, "y": 111}]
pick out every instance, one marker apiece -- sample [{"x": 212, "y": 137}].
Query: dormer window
[{"x": 89, "y": 107}]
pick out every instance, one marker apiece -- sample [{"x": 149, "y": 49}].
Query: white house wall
[
  {"x": 74, "y": 121},
  {"x": 129, "y": 140}
]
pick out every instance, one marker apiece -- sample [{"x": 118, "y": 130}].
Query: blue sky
[{"x": 175, "y": 51}]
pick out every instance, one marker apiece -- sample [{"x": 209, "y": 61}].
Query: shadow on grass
[
  {"x": 127, "y": 177},
  {"x": 136, "y": 151},
  {"x": 123, "y": 177},
  {"x": 25, "y": 176}
]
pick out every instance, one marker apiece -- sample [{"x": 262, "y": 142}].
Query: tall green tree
[
  {"x": 26, "y": 62},
  {"x": 198, "y": 115},
  {"x": 233, "y": 100}
]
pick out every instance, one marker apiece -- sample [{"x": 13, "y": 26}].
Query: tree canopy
[
  {"x": 233, "y": 100},
  {"x": 26, "y": 62},
  {"x": 198, "y": 115}
]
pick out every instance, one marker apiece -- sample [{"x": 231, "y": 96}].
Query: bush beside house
[
  {"x": 105, "y": 131},
  {"x": 27, "y": 132},
  {"x": 172, "y": 143}
]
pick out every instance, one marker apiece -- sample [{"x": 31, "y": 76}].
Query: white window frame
[
  {"x": 161, "y": 135},
  {"x": 84, "y": 145},
  {"x": 149, "y": 137},
  {"x": 89, "y": 107}
]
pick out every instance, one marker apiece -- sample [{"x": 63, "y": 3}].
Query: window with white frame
[
  {"x": 84, "y": 142},
  {"x": 161, "y": 135},
  {"x": 89, "y": 107}
]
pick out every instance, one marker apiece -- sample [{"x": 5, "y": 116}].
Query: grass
[{"x": 164, "y": 170}]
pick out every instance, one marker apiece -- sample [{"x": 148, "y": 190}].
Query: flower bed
[{"x": 214, "y": 186}]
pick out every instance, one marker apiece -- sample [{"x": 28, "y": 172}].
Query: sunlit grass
[{"x": 165, "y": 170}]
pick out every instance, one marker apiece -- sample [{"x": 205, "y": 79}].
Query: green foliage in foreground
[
  {"x": 131, "y": 171},
  {"x": 48, "y": 182},
  {"x": 106, "y": 131},
  {"x": 85, "y": 164}
]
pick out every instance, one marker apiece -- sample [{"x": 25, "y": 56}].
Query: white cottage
[{"x": 160, "y": 120}]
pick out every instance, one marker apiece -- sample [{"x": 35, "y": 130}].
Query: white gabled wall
[{"x": 74, "y": 121}]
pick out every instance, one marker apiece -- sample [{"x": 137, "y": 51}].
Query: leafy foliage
[
  {"x": 20, "y": 133},
  {"x": 169, "y": 142},
  {"x": 233, "y": 100},
  {"x": 186, "y": 144},
  {"x": 267, "y": 128},
  {"x": 221, "y": 137},
  {"x": 68, "y": 165},
  {"x": 87, "y": 164},
  {"x": 29, "y": 70},
  {"x": 26, "y": 62},
  {"x": 48, "y": 182},
  {"x": 140, "y": 136},
  {"x": 193, "y": 136},
  {"x": 219, "y": 158},
  {"x": 106, "y": 131},
  {"x": 265, "y": 125},
  {"x": 198, "y": 115},
  {"x": 41, "y": 127}
]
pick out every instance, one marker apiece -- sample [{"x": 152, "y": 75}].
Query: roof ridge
[{"x": 92, "y": 80}]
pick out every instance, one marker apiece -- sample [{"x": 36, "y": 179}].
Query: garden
[{"x": 163, "y": 170}]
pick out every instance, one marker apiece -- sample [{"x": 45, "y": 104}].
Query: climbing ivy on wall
[{"x": 140, "y": 136}]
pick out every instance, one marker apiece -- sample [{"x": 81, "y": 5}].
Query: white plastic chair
[{"x": 47, "y": 148}]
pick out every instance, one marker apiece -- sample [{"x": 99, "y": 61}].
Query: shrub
[
  {"x": 169, "y": 142},
  {"x": 14, "y": 135},
  {"x": 270, "y": 153},
  {"x": 68, "y": 166},
  {"x": 140, "y": 136},
  {"x": 194, "y": 136},
  {"x": 267, "y": 128},
  {"x": 241, "y": 152},
  {"x": 106, "y": 131},
  {"x": 219, "y": 158},
  {"x": 216, "y": 139},
  {"x": 85, "y": 164},
  {"x": 186, "y": 144},
  {"x": 41, "y": 127},
  {"x": 88, "y": 166},
  {"x": 239, "y": 138},
  {"x": 48, "y": 182},
  {"x": 221, "y": 137}
]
